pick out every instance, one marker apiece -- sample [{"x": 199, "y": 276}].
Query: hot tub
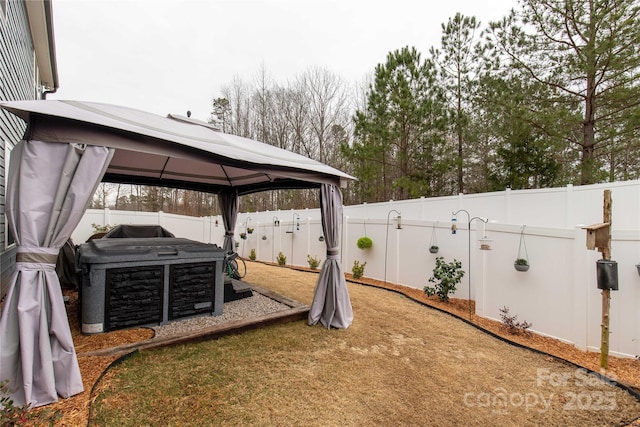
[{"x": 131, "y": 282}]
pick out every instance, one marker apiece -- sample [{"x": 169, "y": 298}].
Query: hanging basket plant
[
  {"x": 365, "y": 242},
  {"x": 433, "y": 245},
  {"x": 522, "y": 261},
  {"x": 243, "y": 236},
  {"x": 249, "y": 230}
]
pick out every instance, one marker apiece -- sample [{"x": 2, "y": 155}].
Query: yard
[{"x": 399, "y": 363}]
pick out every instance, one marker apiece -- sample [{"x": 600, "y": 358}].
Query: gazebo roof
[{"x": 172, "y": 151}]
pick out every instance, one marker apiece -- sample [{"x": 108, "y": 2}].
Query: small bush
[
  {"x": 358, "y": 269},
  {"x": 314, "y": 262},
  {"x": 365, "y": 242},
  {"x": 511, "y": 324},
  {"x": 282, "y": 260},
  {"x": 12, "y": 415},
  {"x": 252, "y": 255},
  {"x": 446, "y": 275}
]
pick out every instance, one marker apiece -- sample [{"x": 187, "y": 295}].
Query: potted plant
[
  {"x": 243, "y": 236},
  {"x": 434, "y": 248},
  {"x": 522, "y": 261},
  {"x": 365, "y": 242},
  {"x": 249, "y": 230},
  {"x": 521, "y": 264},
  {"x": 264, "y": 237}
]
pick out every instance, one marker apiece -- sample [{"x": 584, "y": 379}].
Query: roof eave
[{"x": 40, "y": 18}]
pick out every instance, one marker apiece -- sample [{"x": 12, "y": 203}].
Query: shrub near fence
[{"x": 558, "y": 294}]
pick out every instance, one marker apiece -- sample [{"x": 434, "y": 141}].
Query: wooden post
[{"x": 606, "y": 293}]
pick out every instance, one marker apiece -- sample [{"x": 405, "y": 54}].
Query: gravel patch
[{"x": 256, "y": 305}]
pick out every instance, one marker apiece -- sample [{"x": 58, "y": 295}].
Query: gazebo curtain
[
  {"x": 228, "y": 201},
  {"x": 49, "y": 188},
  {"x": 331, "y": 305}
]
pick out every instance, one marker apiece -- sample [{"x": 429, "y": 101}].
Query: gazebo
[{"x": 69, "y": 147}]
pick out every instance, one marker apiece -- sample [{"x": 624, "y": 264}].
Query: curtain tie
[
  {"x": 333, "y": 253},
  {"x": 30, "y": 258}
]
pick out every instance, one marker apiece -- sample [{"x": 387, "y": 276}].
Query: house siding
[{"x": 18, "y": 76}]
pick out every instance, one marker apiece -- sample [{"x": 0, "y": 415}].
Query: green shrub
[
  {"x": 521, "y": 261},
  {"x": 12, "y": 415},
  {"x": 358, "y": 269},
  {"x": 252, "y": 255},
  {"x": 282, "y": 260},
  {"x": 314, "y": 262},
  {"x": 446, "y": 275},
  {"x": 365, "y": 242}
]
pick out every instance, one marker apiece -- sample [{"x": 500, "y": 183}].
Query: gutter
[{"x": 48, "y": 13}]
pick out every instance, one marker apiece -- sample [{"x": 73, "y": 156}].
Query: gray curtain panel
[
  {"x": 49, "y": 188},
  {"x": 228, "y": 201},
  {"x": 331, "y": 305}
]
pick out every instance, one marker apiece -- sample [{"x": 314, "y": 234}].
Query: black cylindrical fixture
[{"x": 607, "y": 271}]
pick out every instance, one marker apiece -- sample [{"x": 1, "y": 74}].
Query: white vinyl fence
[{"x": 558, "y": 294}]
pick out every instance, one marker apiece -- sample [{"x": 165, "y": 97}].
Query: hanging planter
[
  {"x": 365, "y": 242},
  {"x": 433, "y": 245},
  {"x": 249, "y": 230},
  {"x": 522, "y": 261},
  {"x": 264, "y": 237},
  {"x": 321, "y": 239},
  {"x": 243, "y": 236}
]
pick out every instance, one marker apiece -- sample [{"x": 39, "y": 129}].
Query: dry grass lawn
[{"x": 400, "y": 363}]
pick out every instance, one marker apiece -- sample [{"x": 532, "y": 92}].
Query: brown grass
[{"x": 399, "y": 363}]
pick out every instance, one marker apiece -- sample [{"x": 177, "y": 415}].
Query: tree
[
  {"x": 327, "y": 101},
  {"x": 585, "y": 52},
  {"x": 221, "y": 113},
  {"x": 519, "y": 154},
  {"x": 399, "y": 136},
  {"x": 458, "y": 63}
]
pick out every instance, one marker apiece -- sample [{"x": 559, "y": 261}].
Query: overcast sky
[{"x": 172, "y": 56}]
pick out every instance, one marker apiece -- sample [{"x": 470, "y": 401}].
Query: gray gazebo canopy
[{"x": 68, "y": 148}]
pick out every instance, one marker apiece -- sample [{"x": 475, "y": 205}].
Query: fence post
[
  {"x": 568, "y": 205},
  {"x": 106, "y": 216},
  {"x": 344, "y": 253},
  {"x": 507, "y": 205}
]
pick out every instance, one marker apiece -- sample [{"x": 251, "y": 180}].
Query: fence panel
[{"x": 558, "y": 294}]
